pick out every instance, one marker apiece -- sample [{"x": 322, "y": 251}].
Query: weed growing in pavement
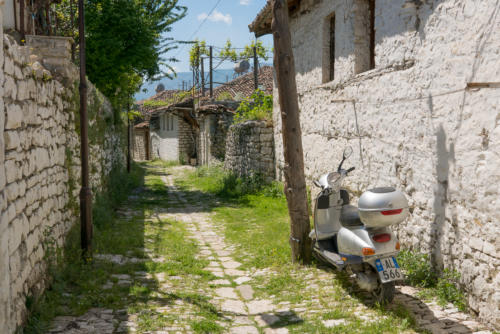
[
  {"x": 420, "y": 273},
  {"x": 418, "y": 269}
]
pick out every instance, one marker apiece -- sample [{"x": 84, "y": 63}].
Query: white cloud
[
  {"x": 245, "y": 2},
  {"x": 216, "y": 16}
]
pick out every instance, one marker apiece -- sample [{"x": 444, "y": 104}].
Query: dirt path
[{"x": 236, "y": 307}]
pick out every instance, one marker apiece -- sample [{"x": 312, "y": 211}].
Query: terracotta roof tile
[{"x": 243, "y": 86}]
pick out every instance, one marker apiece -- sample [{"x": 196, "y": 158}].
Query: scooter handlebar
[{"x": 350, "y": 170}]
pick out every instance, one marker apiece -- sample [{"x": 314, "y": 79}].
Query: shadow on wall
[{"x": 441, "y": 200}]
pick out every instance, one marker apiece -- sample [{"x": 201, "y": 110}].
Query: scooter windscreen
[{"x": 334, "y": 179}]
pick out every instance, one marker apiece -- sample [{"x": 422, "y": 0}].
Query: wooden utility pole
[
  {"x": 85, "y": 192},
  {"x": 72, "y": 19},
  {"x": 21, "y": 19},
  {"x": 202, "y": 77},
  {"x": 128, "y": 137},
  {"x": 211, "y": 73},
  {"x": 255, "y": 69},
  {"x": 295, "y": 183}
]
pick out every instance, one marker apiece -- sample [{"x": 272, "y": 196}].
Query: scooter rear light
[
  {"x": 384, "y": 237},
  {"x": 368, "y": 251},
  {"x": 391, "y": 212}
]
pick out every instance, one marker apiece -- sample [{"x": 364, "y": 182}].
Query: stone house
[
  {"x": 166, "y": 130},
  {"x": 215, "y": 117},
  {"x": 23, "y": 17},
  {"x": 412, "y": 86}
]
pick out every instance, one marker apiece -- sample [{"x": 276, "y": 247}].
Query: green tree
[
  {"x": 259, "y": 106},
  {"x": 126, "y": 44}
]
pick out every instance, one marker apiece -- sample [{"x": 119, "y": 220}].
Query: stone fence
[
  {"x": 40, "y": 164},
  {"x": 250, "y": 149}
]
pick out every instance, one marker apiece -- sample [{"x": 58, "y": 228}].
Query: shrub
[
  {"x": 228, "y": 185},
  {"x": 447, "y": 290},
  {"x": 258, "y": 107},
  {"x": 419, "y": 271},
  {"x": 225, "y": 96}
]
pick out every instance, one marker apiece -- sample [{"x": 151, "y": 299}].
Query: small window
[
  {"x": 364, "y": 35},
  {"x": 332, "y": 47},
  {"x": 329, "y": 48}
]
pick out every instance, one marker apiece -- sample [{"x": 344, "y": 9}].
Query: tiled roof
[
  {"x": 171, "y": 96},
  {"x": 244, "y": 86},
  {"x": 261, "y": 25},
  {"x": 142, "y": 125}
]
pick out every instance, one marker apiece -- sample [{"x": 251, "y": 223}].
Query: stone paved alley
[{"x": 232, "y": 294}]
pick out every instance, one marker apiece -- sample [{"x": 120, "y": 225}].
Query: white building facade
[{"x": 414, "y": 87}]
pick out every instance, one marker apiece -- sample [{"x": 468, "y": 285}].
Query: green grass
[
  {"x": 253, "y": 216},
  {"x": 76, "y": 286}
]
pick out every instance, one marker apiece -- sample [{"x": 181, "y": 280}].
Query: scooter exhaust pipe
[{"x": 366, "y": 282}]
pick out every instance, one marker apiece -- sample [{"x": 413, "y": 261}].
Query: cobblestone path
[{"x": 239, "y": 308}]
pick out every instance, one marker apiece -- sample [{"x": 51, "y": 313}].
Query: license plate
[{"x": 388, "y": 269}]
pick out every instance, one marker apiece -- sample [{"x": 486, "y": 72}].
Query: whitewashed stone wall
[
  {"x": 40, "y": 169},
  {"x": 212, "y": 137},
  {"x": 413, "y": 125},
  {"x": 249, "y": 149},
  {"x": 139, "y": 144},
  {"x": 164, "y": 138}
]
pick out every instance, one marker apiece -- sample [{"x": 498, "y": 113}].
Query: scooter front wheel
[{"x": 384, "y": 293}]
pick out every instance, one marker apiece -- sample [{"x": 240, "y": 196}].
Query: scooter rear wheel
[{"x": 384, "y": 293}]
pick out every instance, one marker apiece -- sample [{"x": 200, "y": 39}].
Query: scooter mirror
[{"x": 347, "y": 152}]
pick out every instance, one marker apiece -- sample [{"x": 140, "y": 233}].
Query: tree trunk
[{"x": 295, "y": 184}]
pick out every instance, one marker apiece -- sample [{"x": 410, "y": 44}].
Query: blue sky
[{"x": 230, "y": 20}]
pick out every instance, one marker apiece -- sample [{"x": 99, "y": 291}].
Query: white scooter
[{"x": 359, "y": 238}]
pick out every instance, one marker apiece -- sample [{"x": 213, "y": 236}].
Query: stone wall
[
  {"x": 250, "y": 149},
  {"x": 214, "y": 129},
  {"x": 413, "y": 124},
  {"x": 40, "y": 166},
  {"x": 187, "y": 140},
  {"x": 139, "y": 142}
]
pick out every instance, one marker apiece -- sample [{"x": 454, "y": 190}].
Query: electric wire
[{"x": 199, "y": 27}]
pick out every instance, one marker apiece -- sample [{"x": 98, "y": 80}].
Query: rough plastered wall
[
  {"x": 414, "y": 125},
  {"x": 139, "y": 144},
  {"x": 40, "y": 166},
  {"x": 212, "y": 136},
  {"x": 4, "y": 250},
  {"x": 187, "y": 140},
  {"x": 165, "y": 137},
  {"x": 249, "y": 149}
]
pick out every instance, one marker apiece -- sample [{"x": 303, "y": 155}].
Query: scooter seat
[{"x": 349, "y": 216}]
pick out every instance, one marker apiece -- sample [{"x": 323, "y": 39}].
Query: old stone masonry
[{"x": 231, "y": 296}]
